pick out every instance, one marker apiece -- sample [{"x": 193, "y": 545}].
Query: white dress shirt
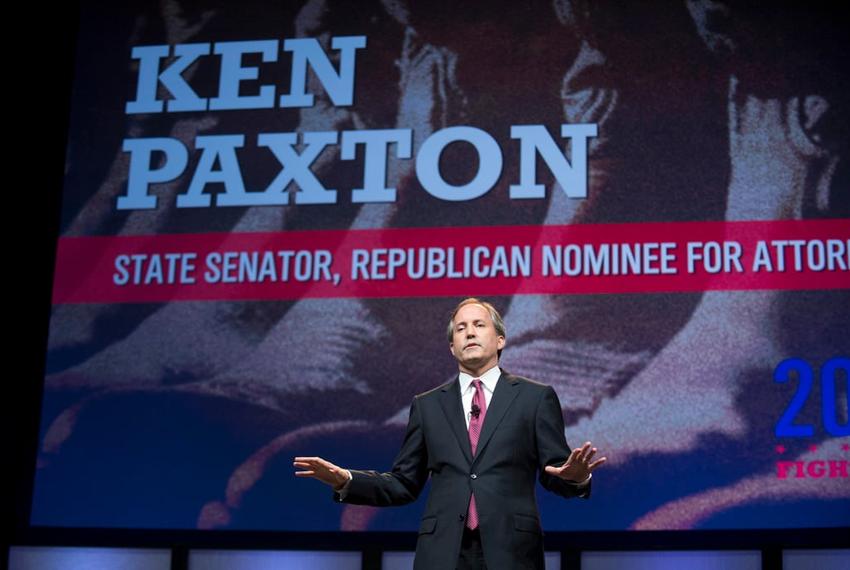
[{"x": 467, "y": 390}]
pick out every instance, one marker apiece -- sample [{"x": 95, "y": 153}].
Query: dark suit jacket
[{"x": 523, "y": 432}]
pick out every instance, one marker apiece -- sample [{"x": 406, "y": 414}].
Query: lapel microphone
[{"x": 476, "y": 411}]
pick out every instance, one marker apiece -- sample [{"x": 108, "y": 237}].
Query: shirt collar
[{"x": 488, "y": 379}]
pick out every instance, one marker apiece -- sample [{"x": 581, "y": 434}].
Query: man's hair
[{"x": 498, "y": 323}]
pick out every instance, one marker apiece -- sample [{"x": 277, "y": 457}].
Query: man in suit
[{"x": 482, "y": 438}]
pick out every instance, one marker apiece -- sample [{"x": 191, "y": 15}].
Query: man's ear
[{"x": 500, "y": 343}]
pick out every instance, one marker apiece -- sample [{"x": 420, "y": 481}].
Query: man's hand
[
  {"x": 578, "y": 466},
  {"x": 324, "y": 471}
]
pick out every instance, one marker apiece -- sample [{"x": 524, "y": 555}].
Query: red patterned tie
[{"x": 475, "y": 423}]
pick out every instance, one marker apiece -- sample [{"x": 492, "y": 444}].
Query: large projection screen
[{"x": 270, "y": 210}]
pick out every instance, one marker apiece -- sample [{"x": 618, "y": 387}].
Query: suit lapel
[
  {"x": 503, "y": 396},
  {"x": 453, "y": 409}
]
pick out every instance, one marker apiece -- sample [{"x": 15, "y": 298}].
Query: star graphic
[
  {"x": 813, "y": 447},
  {"x": 780, "y": 449},
  {"x": 846, "y": 447}
]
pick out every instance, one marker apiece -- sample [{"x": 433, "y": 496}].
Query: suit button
[
  {"x": 473, "y": 476},
  {"x": 460, "y": 517}
]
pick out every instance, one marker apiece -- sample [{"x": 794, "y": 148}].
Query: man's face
[{"x": 475, "y": 342}]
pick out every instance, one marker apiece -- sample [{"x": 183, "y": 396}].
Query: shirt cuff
[{"x": 343, "y": 491}]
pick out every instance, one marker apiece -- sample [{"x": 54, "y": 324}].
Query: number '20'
[{"x": 786, "y": 427}]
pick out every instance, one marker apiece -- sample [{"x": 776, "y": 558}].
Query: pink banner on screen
[{"x": 428, "y": 262}]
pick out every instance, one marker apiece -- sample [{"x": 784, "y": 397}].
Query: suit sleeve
[
  {"x": 403, "y": 483},
  {"x": 552, "y": 448}
]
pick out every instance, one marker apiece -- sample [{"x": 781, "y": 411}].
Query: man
[{"x": 482, "y": 438}]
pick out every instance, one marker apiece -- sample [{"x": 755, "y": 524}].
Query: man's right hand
[{"x": 324, "y": 471}]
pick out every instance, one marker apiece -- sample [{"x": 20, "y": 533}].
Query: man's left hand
[{"x": 578, "y": 466}]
